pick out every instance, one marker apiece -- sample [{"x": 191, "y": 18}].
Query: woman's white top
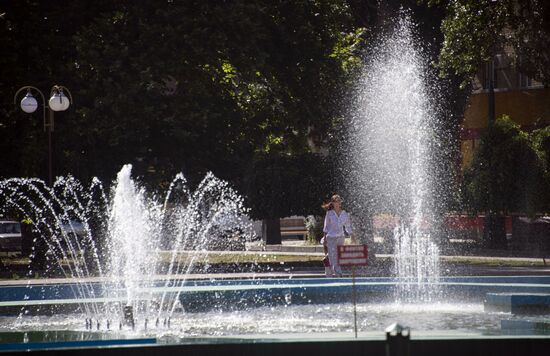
[{"x": 334, "y": 223}]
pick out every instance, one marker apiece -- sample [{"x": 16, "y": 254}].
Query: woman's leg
[
  {"x": 339, "y": 242},
  {"x": 326, "y": 262},
  {"x": 333, "y": 253}
]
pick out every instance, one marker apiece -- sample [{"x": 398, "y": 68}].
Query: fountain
[
  {"x": 391, "y": 160},
  {"x": 126, "y": 254},
  {"x": 131, "y": 229}
]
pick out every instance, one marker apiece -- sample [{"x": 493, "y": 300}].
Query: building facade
[{"x": 524, "y": 100}]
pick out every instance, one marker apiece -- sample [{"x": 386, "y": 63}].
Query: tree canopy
[
  {"x": 175, "y": 86},
  {"x": 283, "y": 185},
  {"x": 507, "y": 174},
  {"x": 474, "y": 30},
  {"x": 223, "y": 86}
]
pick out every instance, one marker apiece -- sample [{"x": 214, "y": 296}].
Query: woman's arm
[
  {"x": 327, "y": 223},
  {"x": 326, "y": 228},
  {"x": 347, "y": 225}
]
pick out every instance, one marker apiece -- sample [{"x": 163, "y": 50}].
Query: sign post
[{"x": 353, "y": 255}]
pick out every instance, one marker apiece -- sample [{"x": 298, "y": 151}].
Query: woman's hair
[{"x": 329, "y": 205}]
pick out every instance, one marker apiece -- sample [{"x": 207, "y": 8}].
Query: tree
[
  {"x": 269, "y": 74},
  {"x": 506, "y": 175},
  {"x": 473, "y": 30},
  {"x": 541, "y": 142},
  {"x": 174, "y": 86},
  {"x": 284, "y": 185},
  {"x": 38, "y": 50}
]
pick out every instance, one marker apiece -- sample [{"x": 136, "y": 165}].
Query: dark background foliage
[{"x": 247, "y": 90}]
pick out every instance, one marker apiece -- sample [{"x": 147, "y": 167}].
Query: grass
[
  {"x": 15, "y": 267},
  {"x": 496, "y": 261},
  {"x": 227, "y": 257}
]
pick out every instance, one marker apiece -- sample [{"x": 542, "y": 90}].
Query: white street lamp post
[{"x": 58, "y": 102}]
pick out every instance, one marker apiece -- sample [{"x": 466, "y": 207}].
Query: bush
[
  {"x": 507, "y": 175},
  {"x": 541, "y": 142},
  {"x": 281, "y": 185},
  {"x": 314, "y": 226}
]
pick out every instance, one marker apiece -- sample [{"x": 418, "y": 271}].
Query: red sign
[{"x": 353, "y": 255}]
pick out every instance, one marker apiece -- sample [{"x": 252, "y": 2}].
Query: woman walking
[{"x": 337, "y": 225}]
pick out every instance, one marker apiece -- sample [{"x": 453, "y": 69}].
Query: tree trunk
[
  {"x": 271, "y": 231},
  {"x": 494, "y": 232}
]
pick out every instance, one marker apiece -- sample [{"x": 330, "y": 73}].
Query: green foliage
[
  {"x": 37, "y": 49},
  {"x": 283, "y": 185},
  {"x": 541, "y": 141},
  {"x": 507, "y": 173},
  {"x": 174, "y": 86},
  {"x": 264, "y": 76},
  {"x": 474, "y": 30},
  {"x": 471, "y": 31}
]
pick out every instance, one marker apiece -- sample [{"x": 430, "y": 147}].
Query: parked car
[
  {"x": 73, "y": 227},
  {"x": 10, "y": 235}
]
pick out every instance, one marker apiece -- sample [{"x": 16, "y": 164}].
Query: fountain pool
[{"x": 278, "y": 308}]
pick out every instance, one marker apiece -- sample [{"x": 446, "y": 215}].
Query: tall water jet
[
  {"x": 133, "y": 236},
  {"x": 390, "y": 171}
]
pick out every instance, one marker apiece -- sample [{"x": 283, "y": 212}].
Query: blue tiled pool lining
[{"x": 297, "y": 290}]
